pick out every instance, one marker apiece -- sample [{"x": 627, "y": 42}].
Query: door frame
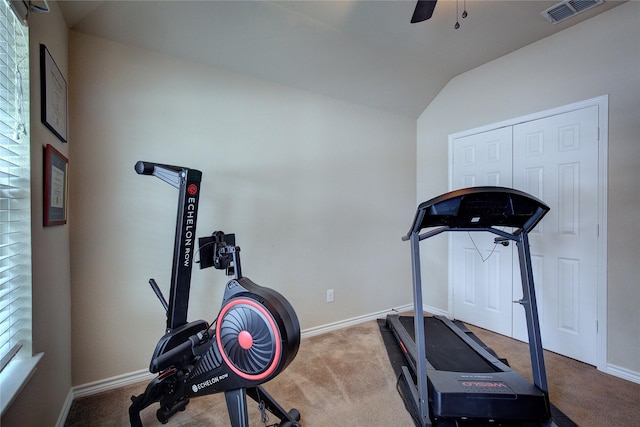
[{"x": 602, "y": 102}]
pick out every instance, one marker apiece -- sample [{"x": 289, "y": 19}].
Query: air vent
[{"x": 568, "y": 8}]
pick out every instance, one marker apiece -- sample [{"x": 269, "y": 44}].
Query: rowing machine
[{"x": 255, "y": 335}]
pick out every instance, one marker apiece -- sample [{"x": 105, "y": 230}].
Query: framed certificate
[
  {"x": 53, "y": 95},
  {"x": 55, "y": 187}
]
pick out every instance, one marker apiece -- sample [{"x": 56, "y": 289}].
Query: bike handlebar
[
  {"x": 145, "y": 168},
  {"x": 176, "y": 356},
  {"x": 148, "y": 168},
  {"x": 170, "y": 174},
  {"x": 182, "y": 353}
]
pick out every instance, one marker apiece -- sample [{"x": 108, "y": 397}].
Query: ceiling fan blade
[{"x": 423, "y": 11}]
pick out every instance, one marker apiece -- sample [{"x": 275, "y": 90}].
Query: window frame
[{"x": 15, "y": 206}]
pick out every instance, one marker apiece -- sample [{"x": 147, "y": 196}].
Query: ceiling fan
[{"x": 423, "y": 11}]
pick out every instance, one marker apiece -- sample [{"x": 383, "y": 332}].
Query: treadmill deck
[{"x": 465, "y": 380}]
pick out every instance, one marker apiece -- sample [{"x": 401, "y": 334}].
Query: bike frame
[{"x": 187, "y": 181}]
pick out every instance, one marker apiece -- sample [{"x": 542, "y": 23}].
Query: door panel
[
  {"x": 556, "y": 160},
  {"x": 481, "y": 271}
]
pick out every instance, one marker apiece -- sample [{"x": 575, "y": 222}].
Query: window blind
[{"x": 15, "y": 209}]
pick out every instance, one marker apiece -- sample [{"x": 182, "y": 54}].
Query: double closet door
[{"x": 556, "y": 160}]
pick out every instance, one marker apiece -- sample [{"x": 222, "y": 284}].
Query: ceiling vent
[{"x": 568, "y": 8}]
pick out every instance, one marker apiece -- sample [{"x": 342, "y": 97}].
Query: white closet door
[
  {"x": 481, "y": 272},
  {"x": 556, "y": 160}
]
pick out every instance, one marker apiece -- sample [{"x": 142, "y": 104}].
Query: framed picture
[
  {"x": 53, "y": 95},
  {"x": 55, "y": 187}
]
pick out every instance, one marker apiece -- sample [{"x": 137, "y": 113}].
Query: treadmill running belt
[{"x": 445, "y": 350}]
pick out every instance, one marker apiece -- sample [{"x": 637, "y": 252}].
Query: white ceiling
[{"x": 364, "y": 52}]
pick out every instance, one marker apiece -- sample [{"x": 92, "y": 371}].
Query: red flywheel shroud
[{"x": 249, "y": 339}]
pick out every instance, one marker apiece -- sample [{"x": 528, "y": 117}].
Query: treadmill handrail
[
  {"x": 480, "y": 208},
  {"x": 435, "y": 232}
]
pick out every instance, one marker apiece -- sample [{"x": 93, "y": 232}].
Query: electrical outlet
[{"x": 330, "y": 295}]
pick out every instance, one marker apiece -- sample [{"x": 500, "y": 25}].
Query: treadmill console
[{"x": 480, "y": 207}]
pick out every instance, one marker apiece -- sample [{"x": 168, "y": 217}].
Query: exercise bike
[{"x": 255, "y": 335}]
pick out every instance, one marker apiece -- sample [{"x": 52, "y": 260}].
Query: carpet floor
[{"x": 345, "y": 378}]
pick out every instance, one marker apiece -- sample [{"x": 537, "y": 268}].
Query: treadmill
[{"x": 453, "y": 378}]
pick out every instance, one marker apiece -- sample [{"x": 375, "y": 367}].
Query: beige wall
[
  {"x": 40, "y": 402},
  {"x": 600, "y": 56},
  {"x": 318, "y": 192}
]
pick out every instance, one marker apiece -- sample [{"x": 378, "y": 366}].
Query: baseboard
[
  {"x": 118, "y": 381},
  {"x": 435, "y": 311},
  {"x": 323, "y": 329},
  {"x": 62, "y": 418},
  {"x": 625, "y": 374}
]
